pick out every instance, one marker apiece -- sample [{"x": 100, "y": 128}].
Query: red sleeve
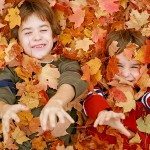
[{"x": 93, "y": 104}]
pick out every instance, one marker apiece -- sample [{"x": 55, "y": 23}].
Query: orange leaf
[
  {"x": 38, "y": 143},
  {"x": 34, "y": 125},
  {"x": 112, "y": 68}
]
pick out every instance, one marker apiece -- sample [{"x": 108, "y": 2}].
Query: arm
[{"x": 70, "y": 86}]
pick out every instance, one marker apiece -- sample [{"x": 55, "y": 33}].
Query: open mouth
[{"x": 38, "y": 46}]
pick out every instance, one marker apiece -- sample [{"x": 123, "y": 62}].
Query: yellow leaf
[
  {"x": 129, "y": 104},
  {"x": 87, "y": 32},
  {"x": 94, "y": 65},
  {"x": 135, "y": 139},
  {"x": 31, "y": 100},
  {"x": 13, "y": 17},
  {"x": 3, "y": 40},
  {"x": 49, "y": 76},
  {"x": 25, "y": 117},
  {"x": 143, "y": 124},
  {"x": 65, "y": 38},
  {"x": 83, "y": 44},
  {"x": 137, "y": 20},
  {"x": 113, "y": 48},
  {"x": 19, "y": 136}
]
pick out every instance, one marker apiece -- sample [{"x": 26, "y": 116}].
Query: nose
[
  {"x": 126, "y": 72},
  {"x": 37, "y": 36}
]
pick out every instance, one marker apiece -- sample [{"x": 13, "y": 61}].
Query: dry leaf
[
  {"x": 83, "y": 44},
  {"x": 135, "y": 139},
  {"x": 13, "y": 17},
  {"x": 49, "y": 77},
  {"x": 137, "y": 20},
  {"x": 143, "y": 124},
  {"x": 19, "y": 136}
]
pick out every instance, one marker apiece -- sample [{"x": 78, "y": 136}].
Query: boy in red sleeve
[{"x": 129, "y": 69}]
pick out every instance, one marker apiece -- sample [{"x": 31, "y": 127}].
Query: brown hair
[
  {"x": 42, "y": 9},
  {"x": 123, "y": 37}
]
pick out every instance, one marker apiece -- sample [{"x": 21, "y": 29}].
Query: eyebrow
[{"x": 31, "y": 28}]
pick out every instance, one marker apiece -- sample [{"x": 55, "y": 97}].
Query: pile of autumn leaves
[{"x": 85, "y": 25}]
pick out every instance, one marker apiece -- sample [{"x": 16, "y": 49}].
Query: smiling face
[
  {"x": 35, "y": 36},
  {"x": 129, "y": 69}
]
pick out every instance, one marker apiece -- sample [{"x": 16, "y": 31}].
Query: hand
[
  {"x": 50, "y": 113},
  {"x": 112, "y": 119},
  {"x": 10, "y": 112}
]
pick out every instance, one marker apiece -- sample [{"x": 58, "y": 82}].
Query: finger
[
  {"x": 43, "y": 120},
  {"x": 60, "y": 117},
  {"x": 15, "y": 117},
  {"x": 102, "y": 117},
  {"x": 5, "y": 128},
  {"x": 96, "y": 122},
  {"x": 68, "y": 116},
  {"x": 123, "y": 130},
  {"x": 108, "y": 116},
  {"x": 20, "y": 107},
  {"x": 52, "y": 120}
]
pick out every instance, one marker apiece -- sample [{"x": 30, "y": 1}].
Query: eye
[
  {"x": 44, "y": 30},
  {"x": 119, "y": 65},
  {"x": 135, "y": 67},
  {"x": 28, "y": 33}
]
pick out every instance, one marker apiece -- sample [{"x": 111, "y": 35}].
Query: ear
[{"x": 55, "y": 39}]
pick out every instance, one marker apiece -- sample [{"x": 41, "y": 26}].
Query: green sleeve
[
  {"x": 70, "y": 74},
  {"x": 6, "y": 94}
]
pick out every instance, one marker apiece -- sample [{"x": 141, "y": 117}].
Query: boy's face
[
  {"x": 129, "y": 69},
  {"x": 35, "y": 36}
]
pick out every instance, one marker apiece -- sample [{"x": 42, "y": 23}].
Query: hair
[
  {"x": 42, "y": 9},
  {"x": 123, "y": 37}
]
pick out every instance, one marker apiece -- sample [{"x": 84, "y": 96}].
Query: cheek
[{"x": 136, "y": 73}]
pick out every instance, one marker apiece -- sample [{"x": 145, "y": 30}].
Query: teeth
[{"x": 39, "y": 46}]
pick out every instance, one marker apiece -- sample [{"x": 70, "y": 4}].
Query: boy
[
  {"x": 35, "y": 35},
  {"x": 129, "y": 70}
]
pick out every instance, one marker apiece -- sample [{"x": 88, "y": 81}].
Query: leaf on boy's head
[
  {"x": 49, "y": 77},
  {"x": 110, "y": 5},
  {"x": 77, "y": 17},
  {"x": 19, "y": 136},
  {"x": 143, "y": 124},
  {"x": 130, "y": 50},
  {"x": 137, "y": 20},
  {"x": 13, "y": 17},
  {"x": 113, "y": 48}
]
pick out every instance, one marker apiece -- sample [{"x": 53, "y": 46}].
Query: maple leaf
[
  {"x": 143, "y": 124},
  {"x": 2, "y": 2},
  {"x": 94, "y": 65},
  {"x": 60, "y": 129},
  {"x": 77, "y": 4},
  {"x": 65, "y": 38},
  {"x": 19, "y": 136},
  {"x": 31, "y": 100},
  {"x": 49, "y": 77},
  {"x": 25, "y": 117},
  {"x": 130, "y": 103},
  {"x": 135, "y": 139},
  {"x": 146, "y": 31},
  {"x": 77, "y": 17},
  {"x": 34, "y": 125},
  {"x": 123, "y": 3},
  {"x": 110, "y": 5},
  {"x": 13, "y": 17},
  {"x": 3, "y": 40},
  {"x": 112, "y": 68},
  {"x": 10, "y": 143},
  {"x": 137, "y": 20},
  {"x": 98, "y": 33},
  {"x": 83, "y": 44},
  {"x": 113, "y": 48},
  {"x": 38, "y": 143}
]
